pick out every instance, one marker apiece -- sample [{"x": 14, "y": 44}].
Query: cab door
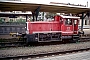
[{"x": 75, "y": 26}]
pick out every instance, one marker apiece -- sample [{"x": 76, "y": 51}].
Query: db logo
[{"x": 68, "y": 28}]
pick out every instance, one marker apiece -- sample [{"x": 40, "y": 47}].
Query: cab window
[
  {"x": 75, "y": 22},
  {"x": 68, "y": 22}
]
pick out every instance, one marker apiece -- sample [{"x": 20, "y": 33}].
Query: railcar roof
[
  {"x": 27, "y": 6},
  {"x": 73, "y": 17}
]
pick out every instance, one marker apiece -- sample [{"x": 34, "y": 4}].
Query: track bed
[{"x": 31, "y": 50}]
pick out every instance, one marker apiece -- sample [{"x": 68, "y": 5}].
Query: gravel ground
[{"x": 19, "y": 51}]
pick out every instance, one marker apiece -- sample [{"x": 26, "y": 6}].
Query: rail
[{"x": 31, "y": 56}]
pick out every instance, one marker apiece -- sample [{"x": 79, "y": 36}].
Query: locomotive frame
[{"x": 61, "y": 28}]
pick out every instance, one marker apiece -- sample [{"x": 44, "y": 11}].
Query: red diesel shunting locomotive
[{"x": 61, "y": 28}]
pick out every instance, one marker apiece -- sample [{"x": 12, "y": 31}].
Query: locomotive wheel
[{"x": 65, "y": 40}]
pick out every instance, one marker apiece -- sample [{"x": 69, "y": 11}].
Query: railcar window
[
  {"x": 68, "y": 22},
  {"x": 75, "y": 21}
]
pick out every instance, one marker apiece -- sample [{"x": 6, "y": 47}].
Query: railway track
[
  {"x": 83, "y": 39},
  {"x": 33, "y": 56},
  {"x": 11, "y": 43},
  {"x": 22, "y": 43},
  {"x": 42, "y": 51}
]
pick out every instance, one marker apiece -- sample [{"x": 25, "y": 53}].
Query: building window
[{"x": 86, "y": 22}]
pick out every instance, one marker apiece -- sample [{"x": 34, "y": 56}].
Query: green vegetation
[
  {"x": 50, "y": 15},
  {"x": 20, "y": 20},
  {"x": 1, "y": 20},
  {"x": 11, "y": 20}
]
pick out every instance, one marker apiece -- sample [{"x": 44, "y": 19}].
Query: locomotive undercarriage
[
  {"x": 44, "y": 37},
  {"x": 50, "y": 37},
  {"x": 70, "y": 38},
  {"x": 76, "y": 37}
]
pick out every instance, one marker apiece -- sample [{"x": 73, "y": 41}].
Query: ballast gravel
[{"x": 22, "y": 51}]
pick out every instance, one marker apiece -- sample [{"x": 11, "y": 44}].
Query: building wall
[{"x": 86, "y": 21}]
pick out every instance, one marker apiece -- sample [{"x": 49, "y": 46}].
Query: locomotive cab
[{"x": 69, "y": 28}]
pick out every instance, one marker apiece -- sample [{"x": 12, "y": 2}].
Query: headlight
[{"x": 27, "y": 32}]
